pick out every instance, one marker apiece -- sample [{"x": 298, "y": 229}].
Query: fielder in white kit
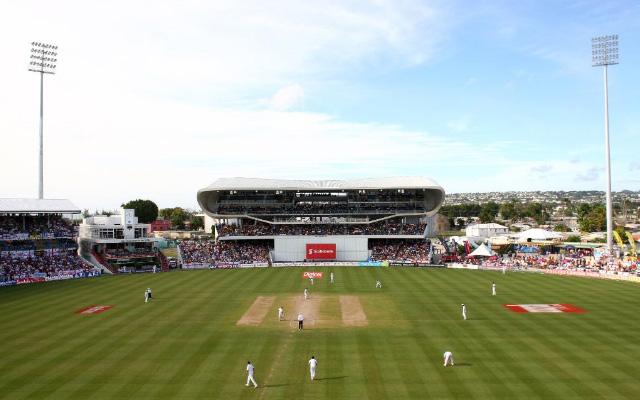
[
  {"x": 464, "y": 312},
  {"x": 306, "y": 294},
  {"x": 250, "y": 375},
  {"x": 331, "y": 276},
  {"x": 313, "y": 363},
  {"x": 448, "y": 358},
  {"x": 493, "y": 289}
]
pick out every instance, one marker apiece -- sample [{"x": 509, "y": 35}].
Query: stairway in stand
[
  {"x": 102, "y": 262},
  {"x": 163, "y": 261}
]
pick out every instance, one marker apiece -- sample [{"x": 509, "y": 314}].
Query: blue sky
[{"x": 157, "y": 102}]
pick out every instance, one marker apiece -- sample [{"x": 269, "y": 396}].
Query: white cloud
[
  {"x": 286, "y": 98},
  {"x": 460, "y": 125}
]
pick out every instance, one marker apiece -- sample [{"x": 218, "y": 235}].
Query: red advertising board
[
  {"x": 321, "y": 251},
  {"x": 308, "y": 274}
]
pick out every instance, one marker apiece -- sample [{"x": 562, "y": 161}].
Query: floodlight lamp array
[
  {"x": 604, "y": 50},
  {"x": 43, "y": 57}
]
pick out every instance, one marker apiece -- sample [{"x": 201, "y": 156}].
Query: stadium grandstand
[
  {"x": 118, "y": 243},
  {"x": 268, "y": 221},
  {"x": 38, "y": 242}
]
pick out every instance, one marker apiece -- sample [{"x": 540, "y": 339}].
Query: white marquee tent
[
  {"x": 537, "y": 234},
  {"x": 482, "y": 251}
]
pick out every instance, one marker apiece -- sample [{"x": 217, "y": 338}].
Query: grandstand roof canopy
[
  {"x": 289, "y": 184},
  {"x": 40, "y": 206}
]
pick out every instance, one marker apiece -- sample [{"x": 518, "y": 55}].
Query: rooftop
[{"x": 40, "y": 206}]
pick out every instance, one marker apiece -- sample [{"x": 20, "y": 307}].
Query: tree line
[{"x": 590, "y": 217}]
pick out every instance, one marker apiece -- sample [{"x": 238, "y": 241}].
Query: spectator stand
[{"x": 38, "y": 241}]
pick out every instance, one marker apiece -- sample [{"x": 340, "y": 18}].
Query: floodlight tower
[
  {"x": 43, "y": 60},
  {"x": 604, "y": 52}
]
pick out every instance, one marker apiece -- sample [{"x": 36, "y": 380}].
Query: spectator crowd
[
  {"x": 315, "y": 208},
  {"x": 579, "y": 259},
  {"x": 379, "y": 228},
  {"x": 35, "y": 227},
  {"x": 18, "y": 265},
  {"x": 401, "y": 250},
  {"x": 223, "y": 252}
]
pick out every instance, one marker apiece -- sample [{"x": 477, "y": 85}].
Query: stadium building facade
[{"x": 324, "y": 220}]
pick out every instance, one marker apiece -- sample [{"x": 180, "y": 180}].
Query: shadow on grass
[
  {"x": 331, "y": 378},
  {"x": 463, "y": 364},
  {"x": 276, "y": 385}
]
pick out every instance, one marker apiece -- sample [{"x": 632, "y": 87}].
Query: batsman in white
[
  {"x": 280, "y": 313},
  {"x": 464, "y": 312},
  {"x": 448, "y": 358},
  {"x": 250, "y": 375},
  {"x": 313, "y": 363}
]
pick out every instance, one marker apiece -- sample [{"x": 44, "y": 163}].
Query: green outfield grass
[{"x": 185, "y": 344}]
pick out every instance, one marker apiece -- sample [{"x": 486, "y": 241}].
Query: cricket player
[
  {"x": 331, "y": 277},
  {"x": 149, "y": 290},
  {"x": 154, "y": 269},
  {"x": 280, "y": 313},
  {"x": 311, "y": 279},
  {"x": 378, "y": 285},
  {"x": 147, "y": 296},
  {"x": 313, "y": 363},
  {"x": 464, "y": 312},
  {"x": 448, "y": 358},
  {"x": 300, "y": 322},
  {"x": 250, "y": 375},
  {"x": 493, "y": 288},
  {"x": 504, "y": 269},
  {"x": 306, "y": 294}
]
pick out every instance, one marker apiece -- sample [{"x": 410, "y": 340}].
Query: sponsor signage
[
  {"x": 370, "y": 264},
  {"x": 22, "y": 281},
  {"x": 93, "y": 309},
  {"x": 315, "y": 275},
  {"x": 321, "y": 251},
  {"x": 544, "y": 308}
]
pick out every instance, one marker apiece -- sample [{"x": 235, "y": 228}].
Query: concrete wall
[{"x": 293, "y": 248}]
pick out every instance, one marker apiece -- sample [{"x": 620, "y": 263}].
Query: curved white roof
[
  {"x": 404, "y": 182},
  {"x": 208, "y": 197}
]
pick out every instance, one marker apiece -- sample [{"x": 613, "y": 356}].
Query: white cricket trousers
[
  {"x": 493, "y": 291},
  {"x": 448, "y": 360},
  {"x": 250, "y": 379},
  {"x": 464, "y": 315},
  {"x": 312, "y": 372}
]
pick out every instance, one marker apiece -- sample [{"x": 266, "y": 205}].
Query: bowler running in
[{"x": 313, "y": 363}]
